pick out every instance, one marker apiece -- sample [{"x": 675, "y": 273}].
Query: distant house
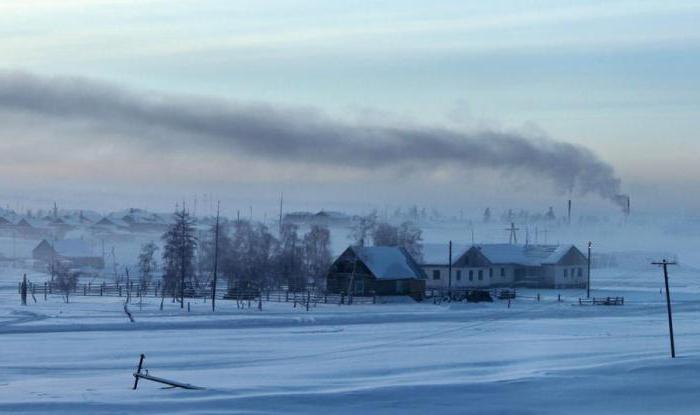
[
  {"x": 107, "y": 223},
  {"x": 376, "y": 270},
  {"x": 75, "y": 251},
  {"x": 323, "y": 217},
  {"x": 6, "y": 223},
  {"x": 504, "y": 265},
  {"x": 139, "y": 220},
  {"x": 31, "y": 227}
]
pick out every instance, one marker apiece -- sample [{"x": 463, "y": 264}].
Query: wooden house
[
  {"x": 376, "y": 270},
  {"x": 76, "y": 252}
]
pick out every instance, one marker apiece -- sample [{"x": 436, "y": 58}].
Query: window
[
  {"x": 503, "y": 272},
  {"x": 481, "y": 275},
  {"x": 471, "y": 275},
  {"x": 359, "y": 287},
  {"x": 459, "y": 275},
  {"x": 566, "y": 273},
  {"x": 580, "y": 272},
  {"x": 490, "y": 272},
  {"x": 436, "y": 274}
]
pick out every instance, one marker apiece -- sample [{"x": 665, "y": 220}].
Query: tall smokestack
[{"x": 569, "y": 217}]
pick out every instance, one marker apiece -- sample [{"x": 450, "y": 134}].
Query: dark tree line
[{"x": 251, "y": 257}]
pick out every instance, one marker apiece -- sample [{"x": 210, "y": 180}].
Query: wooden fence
[{"x": 135, "y": 290}]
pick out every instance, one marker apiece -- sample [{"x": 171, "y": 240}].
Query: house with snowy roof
[
  {"x": 32, "y": 227},
  {"x": 504, "y": 265},
  {"x": 77, "y": 252},
  {"x": 376, "y": 270},
  {"x": 139, "y": 220}
]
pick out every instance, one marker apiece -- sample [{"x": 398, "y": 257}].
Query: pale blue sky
[{"x": 618, "y": 77}]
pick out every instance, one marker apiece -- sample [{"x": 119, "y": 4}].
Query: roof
[
  {"x": 528, "y": 255},
  {"x": 439, "y": 254},
  {"x": 389, "y": 262},
  {"x": 107, "y": 221},
  {"x": 73, "y": 248}
]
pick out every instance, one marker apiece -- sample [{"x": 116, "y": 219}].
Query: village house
[
  {"x": 376, "y": 270},
  {"x": 76, "y": 252},
  {"x": 504, "y": 265}
]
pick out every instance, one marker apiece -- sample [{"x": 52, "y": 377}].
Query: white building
[{"x": 504, "y": 265}]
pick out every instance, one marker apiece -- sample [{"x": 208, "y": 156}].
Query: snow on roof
[
  {"x": 439, "y": 254},
  {"x": 528, "y": 255},
  {"x": 31, "y": 222},
  {"x": 73, "y": 248},
  {"x": 107, "y": 221},
  {"x": 388, "y": 262},
  {"x": 332, "y": 214}
]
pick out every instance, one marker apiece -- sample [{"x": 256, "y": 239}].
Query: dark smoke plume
[{"x": 167, "y": 122}]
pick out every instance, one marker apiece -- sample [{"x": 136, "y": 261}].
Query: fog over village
[{"x": 330, "y": 207}]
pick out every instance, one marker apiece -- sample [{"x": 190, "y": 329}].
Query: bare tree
[
  {"x": 65, "y": 280},
  {"x": 410, "y": 237},
  {"x": 406, "y": 235},
  {"x": 289, "y": 257},
  {"x": 317, "y": 253},
  {"x": 147, "y": 263},
  {"x": 362, "y": 229},
  {"x": 385, "y": 234}
]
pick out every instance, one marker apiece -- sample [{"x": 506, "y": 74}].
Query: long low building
[{"x": 504, "y": 265}]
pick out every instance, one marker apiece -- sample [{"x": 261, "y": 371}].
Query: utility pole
[
  {"x": 280, "y": 223},
  {"x": 665, "y": 265},
  {"x": 183, "y": 250},
  {"x": 588, "y": 284},
  {"x": 216, "y": 258},
  {"x": 449, "y": 272},
  {"x": 513, "y": 239}
]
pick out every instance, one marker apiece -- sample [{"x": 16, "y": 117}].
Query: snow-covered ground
[{"x": 532, "y": 358}]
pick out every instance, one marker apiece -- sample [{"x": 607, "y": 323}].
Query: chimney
[{"x": 569, "y": 217}]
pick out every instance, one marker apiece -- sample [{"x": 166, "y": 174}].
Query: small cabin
[
  {"x": 76, "y": 252},
  {"x": 376, "y": 270}
]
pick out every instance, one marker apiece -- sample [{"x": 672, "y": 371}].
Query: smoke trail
[{"x": 264, "y": 131}]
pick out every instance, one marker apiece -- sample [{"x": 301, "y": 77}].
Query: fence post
[
  {"x": 286, "y": 296},
  {"x": 188, "y": 306},
  {"x": 84, "y": 290},
  {"x": 120, "y": 290},
  {"x": 559, "y": 298},
  {"x": 509, "y": 303},
  {"x": 342, "y": 298},
  {"x": 538, "y": 297},
  {"x": 45, "y": 287}
]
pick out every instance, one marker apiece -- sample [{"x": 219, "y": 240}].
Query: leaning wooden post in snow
[
  {"x": 665, "y": 265},
  {"x": 138, "y": 372}
]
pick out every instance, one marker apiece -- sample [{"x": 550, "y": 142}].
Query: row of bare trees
[
  {"x": 246, "y": 253},
  {"x": 369, "y": 231}
]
